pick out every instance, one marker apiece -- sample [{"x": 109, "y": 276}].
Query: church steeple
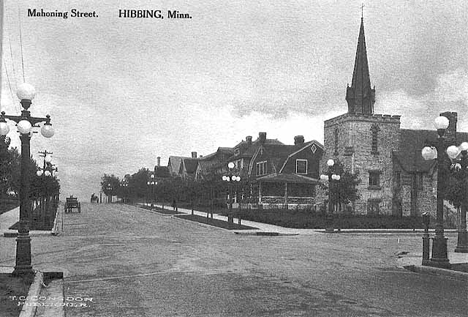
[{"x": 360, "y": 96}]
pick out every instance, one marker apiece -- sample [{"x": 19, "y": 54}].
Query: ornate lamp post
[
  {"x": 439, "y": 245},
  {"x": 25, "y": 123},
  {"x": 459, "y": 168},
  {"x": 152, "y": 183},
  {"x": 329, "y": 177},
  {"x": 109, "y": 193},
  {"x": 231, "y": 178},
  {"x": 124, "y": 185}
]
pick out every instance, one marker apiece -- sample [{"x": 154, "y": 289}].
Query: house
[
  {"x": 285, "y": 175},
  {"x": 244, "y": 151},
  {"x": 183, "y": 167},
  {"x": 161, "y": 172},
  {"x": 213, "y": 164}
]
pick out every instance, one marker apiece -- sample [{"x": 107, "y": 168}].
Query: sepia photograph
[{"x": 240, "y": 158}]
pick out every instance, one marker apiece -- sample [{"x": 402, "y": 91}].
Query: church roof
[{"x": 411, "y": 143}]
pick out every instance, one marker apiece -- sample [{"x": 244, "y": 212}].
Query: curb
[
  {"x": 436, "y": 271},
  {"x": 34, "y": 290},
  {"x": 265, "y": 233},
  {"x": 54, "y": 230}
]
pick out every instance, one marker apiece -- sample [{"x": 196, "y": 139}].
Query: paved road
[{"x": 133, "y": 262}]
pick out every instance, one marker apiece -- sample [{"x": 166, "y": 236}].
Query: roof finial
[{"x": 362, "y": 11}]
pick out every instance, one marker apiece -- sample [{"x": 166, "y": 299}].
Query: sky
[{"x": 123, "y": 91}]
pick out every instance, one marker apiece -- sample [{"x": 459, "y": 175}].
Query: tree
[
  {"x": 344, "y": 191},
  {"x": 138, "y": 183},
  {"x": 110, "y": 184}
]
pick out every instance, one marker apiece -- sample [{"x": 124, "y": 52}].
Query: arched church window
[
  {"x": 375, "y": 137},
  {"x": 336, "y": 141}
]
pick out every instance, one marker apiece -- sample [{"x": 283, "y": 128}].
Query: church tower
[{"x": 364, "y": 141}]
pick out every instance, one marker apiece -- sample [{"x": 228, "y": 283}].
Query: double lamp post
[
  {"x": 231, "y": 178},
  {"x": 330, "y": 177},
  {"x": 25, "y": 124},
  {"x": 446, "y": 157}
]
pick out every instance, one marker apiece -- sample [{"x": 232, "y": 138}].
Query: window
[
  {"x": 420, "y": 181},
  {"x": 375, "y": 133},
  {"x": 397, "y": 179},
  {"x": 261, "y": 168},
  {"x": 374, "y": 179},
  {"x": 336, "y": 141},
  {"x": 301, "y": 166},
  {"x": 313, "y": 148},
  {"x": 373, "y": 206}
]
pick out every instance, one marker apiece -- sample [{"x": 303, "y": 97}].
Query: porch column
[
  {"x": 286, "y": 195},
  {"x": 260, "y": 192}
]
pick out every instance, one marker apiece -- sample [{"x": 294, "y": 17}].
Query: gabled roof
[
  {"x": 301, "y": 147},
  {"x": 221, "y": 150},
  {"x": 279, "y": 153},
  {"x": 248, "y": 151},
  {"x": 174, "y": 163},
  {"x": 412, "y": 142},
  {"x": 161, "y": 171},
  {"x": 190, "y": 165}
]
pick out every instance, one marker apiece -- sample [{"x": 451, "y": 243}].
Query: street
[{"x": 128, "y": 261}]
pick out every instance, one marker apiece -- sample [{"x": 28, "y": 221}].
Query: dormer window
[
  {"x": 261, "y": 168},
  {"x": 236, "y": 152},
  {"x": 301, "y": 166}
]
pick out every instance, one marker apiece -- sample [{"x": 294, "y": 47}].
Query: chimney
[
  {"x": 159, "y": 160},
  {"x": 248, "y": 139},
  {"x": 262, "y": 137},
  {"x": 298, "y": 139},
  {"x": 451, "y": 132},
  {"x": 194, "y": 154}
]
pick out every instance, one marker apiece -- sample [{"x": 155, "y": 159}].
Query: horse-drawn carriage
[{"x": 72, "y": 202}]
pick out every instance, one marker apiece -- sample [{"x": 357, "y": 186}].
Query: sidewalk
[
  {"x": 11, "y": 217},
  {"x": 413, "y": 262},
  {"x": 32, "y": 308},
  {"x": 262, "y": 228},
  {"x": 268, "y": 228}
]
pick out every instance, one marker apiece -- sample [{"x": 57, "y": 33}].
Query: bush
[{"x": 308, "y": 219}]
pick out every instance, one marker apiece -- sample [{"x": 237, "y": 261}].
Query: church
[{"x": 395, "y": 179}]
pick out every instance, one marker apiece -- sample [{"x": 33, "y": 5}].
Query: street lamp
[
  {"x": 109, "y": 191},
  {"x": 439, "y": 245},
  {"x": 459, "y": 168},
  {"x": 230, "y": 178},
  {"x": 152, "y": 182},
  {"x": 25, "y": 124},
  {"x": 124, "y": 185},
  {"x": 329, "y": 177}
]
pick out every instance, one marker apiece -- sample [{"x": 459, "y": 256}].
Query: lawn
[
  {"x": 12, "y": 286},
  {"x": 215, "y": 222},
  {"x": 7, "y": 205}
]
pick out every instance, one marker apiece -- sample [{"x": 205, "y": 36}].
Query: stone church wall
[{"x": 348, "y": 138}]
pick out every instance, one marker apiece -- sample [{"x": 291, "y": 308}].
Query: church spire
[{"x": 360, "y": 96}]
